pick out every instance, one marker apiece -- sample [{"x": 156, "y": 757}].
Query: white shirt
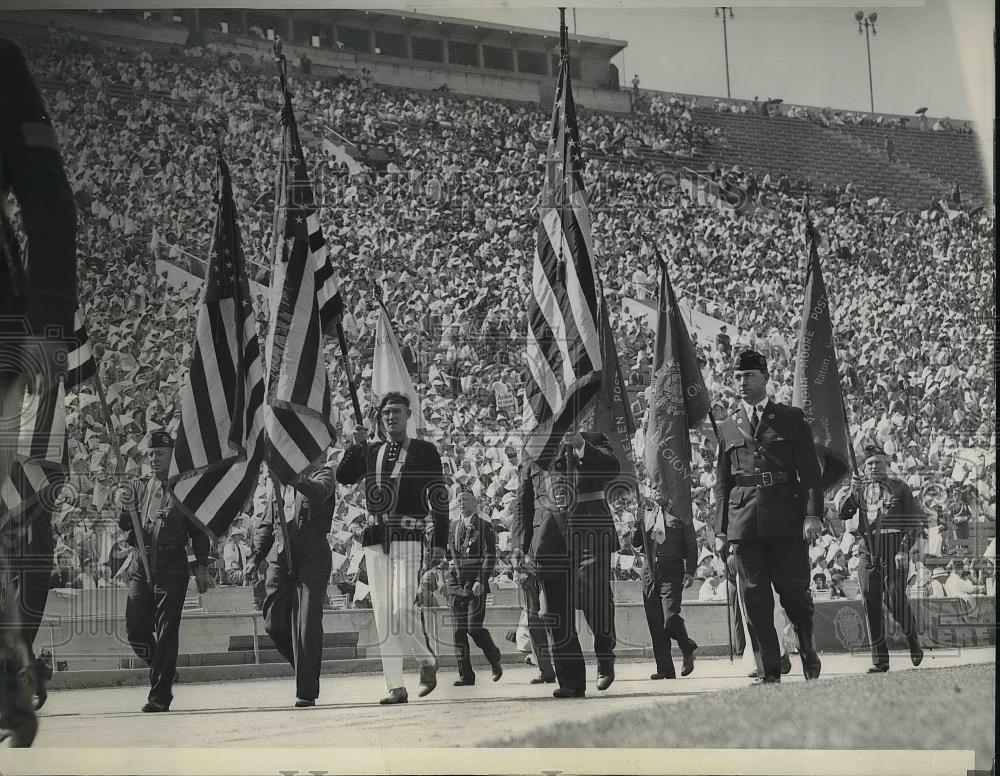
[
  {"x": 956, "y": 587},
  {"x": 748, "y": 408}
]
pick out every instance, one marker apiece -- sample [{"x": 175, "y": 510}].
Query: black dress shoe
[
  {"x": 154, "y": 707},
  {"x": 568, "y": 692},
  {"x": 879, "y": 668},
  {"x": 811, "y": 666},
  {"x": 688, "y": 665},
  {"x": 463, "y": 683},
  {"x": 42, "y": 668},
  {"x": 786, "y": 664},
  {"x": 916, "y": 656},
  {"x": 396, "y": 695},
  {"x": 658, "y": 675},
  {"x": 497, "y": 671},
  {"x": 428, "y": 680},
  {"x": 304, "y": 703},
  {"x": 605, "y": 679},
  {"x": 543, "y": 680}
]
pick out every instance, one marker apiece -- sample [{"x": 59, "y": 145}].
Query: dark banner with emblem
[
  {"x": 817, "y": 379},
  {"x": 679, "y": 402},
  {"x": 609, "y": 412}
]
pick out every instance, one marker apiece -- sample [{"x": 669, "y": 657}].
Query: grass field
[{"x": 946, "y": 708}]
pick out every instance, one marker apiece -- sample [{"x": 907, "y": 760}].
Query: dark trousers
[
  {"x": 590, "y": 552},
  {"x": 152, "y": 623},
  {"x": 538, "y": 632},
  {"x": 586, "y": 585},
  {"x": 567, "y": 656},
  {"x": 469, "y": 612},
  {"x": 293, "y": 608},
  {"x": 32, "y": 565},
  {"x": 783, "y": 563},
  {"x": 661, "y": 599},
  {"x": 33, "y": 592},
  {"x": 889, "y": 583}
]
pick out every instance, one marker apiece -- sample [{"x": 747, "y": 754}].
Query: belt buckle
[{"x": 767, "y": 479}]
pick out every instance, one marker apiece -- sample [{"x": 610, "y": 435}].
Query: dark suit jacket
[
  {"x": 899, "y": 513},
  {"x": 473, "y": 553},
  {"x": 746, "y": 512},
  {"x": 419, "y": 492},
  {"x": 319, "y": 498},
  {"x": 541, "y": 529},
  {"x": 169, "y": 556},
  {"x": 680, "y": 543}
]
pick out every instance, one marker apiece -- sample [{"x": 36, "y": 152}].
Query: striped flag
[
  {"x": 80, "y": 364},
  {"x": 304, "y": 301},
  {"x": 40, "y": 461},
  {"x": 563, "y": 342},
  {"x": 219, "y": 444}
]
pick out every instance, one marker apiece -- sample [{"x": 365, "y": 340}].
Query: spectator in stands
[
  {"x": 724, "y": 343},
  {"x": 958, "y": 584},
  {"x": 937, "y": 584}
]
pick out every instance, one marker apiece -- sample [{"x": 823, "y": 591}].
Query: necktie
[{"x": 754, "y": 421}]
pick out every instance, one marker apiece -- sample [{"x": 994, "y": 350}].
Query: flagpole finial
[
  {"x": 282, "y": 63},
  {"x": 563, "y": 33}
]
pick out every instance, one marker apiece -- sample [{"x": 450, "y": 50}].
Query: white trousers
[{"x": 394, "y": 580}]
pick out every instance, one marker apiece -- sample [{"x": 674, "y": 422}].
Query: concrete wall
[{"x": 86, "y": 629}]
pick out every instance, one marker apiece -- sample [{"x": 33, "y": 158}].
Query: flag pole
[
  {"x": 863, "y": 523},
  {"x": 286, "y": 118},
  {"x": 729, "y": 603},
  {"x": 116, "y": 445},
  {"x": 661, "y": 266},
  {"x": 279, "y": 506},
  {"x": 282, "y": 63}
]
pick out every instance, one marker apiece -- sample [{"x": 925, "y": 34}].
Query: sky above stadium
[{"x": 937, "y": 55}]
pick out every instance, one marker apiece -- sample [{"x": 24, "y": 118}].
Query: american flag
[
  {"x": 219, "y": 444},
  {"x": 305, "y": 300},
  {"x": 563, "y": 342},
  {"x": 40, "y": 460},
  {"x": 80, "y": 364}
]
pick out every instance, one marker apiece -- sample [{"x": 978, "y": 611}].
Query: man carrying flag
[
  {"x": 562, "y": 528},
  {"x": 405, "y": 490},
  {"x": 679, "y": 402},
  {"x": 896, "y": 521},
  {"x": 153, "y": 612},
  {"x": 305, "y": 302}
]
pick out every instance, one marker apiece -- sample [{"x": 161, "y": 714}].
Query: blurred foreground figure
[{"x": 37, "y": 303}]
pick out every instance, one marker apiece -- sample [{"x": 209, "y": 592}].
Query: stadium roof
[{"x": 611, "y": 45}]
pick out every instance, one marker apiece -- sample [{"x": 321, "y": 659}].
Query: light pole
[
  {"x": 725, "y": 41},
  {"x": 864, "y": 24}
]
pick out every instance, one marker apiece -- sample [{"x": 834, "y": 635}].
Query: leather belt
[
  {"x": 406, "y": 522},
  {"x": 579, "y": 498},
  {"x": 765, "y": 479}
]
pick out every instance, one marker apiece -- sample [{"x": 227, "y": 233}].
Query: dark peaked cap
[{"x": 750, "y": 359}]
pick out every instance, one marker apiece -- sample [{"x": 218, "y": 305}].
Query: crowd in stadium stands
[{"x": 452, "y": 251}]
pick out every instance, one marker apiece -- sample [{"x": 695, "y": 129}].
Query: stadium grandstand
[{"x": 425, "y": 138}]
